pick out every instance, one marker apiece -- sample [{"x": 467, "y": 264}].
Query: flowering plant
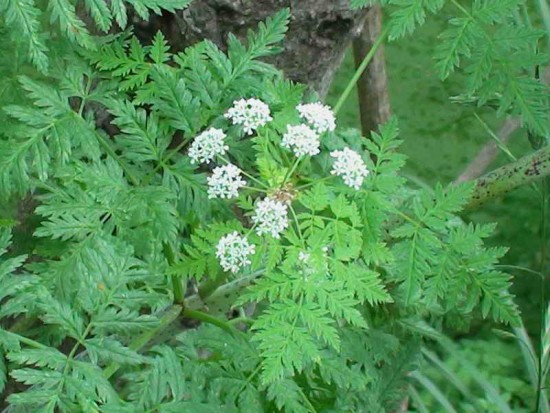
[
  {"x": 270, "y": 214},
  {"x": 220, "y": 243}
]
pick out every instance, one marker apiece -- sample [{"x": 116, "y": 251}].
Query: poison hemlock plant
[{"x": 184, "y": 186}]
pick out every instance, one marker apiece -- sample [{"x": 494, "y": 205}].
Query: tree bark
[
  {"x": 320, "y": 32},
  {"x": 372, "y": 87}
]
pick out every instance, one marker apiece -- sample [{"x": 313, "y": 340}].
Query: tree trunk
[
  {"x": 372, "y": 87},
  {"x": 320, "y": 32}
]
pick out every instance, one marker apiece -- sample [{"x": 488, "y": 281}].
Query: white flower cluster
[
  {"x": 250, "y": 113},
  {"x": 225, "y": 182},
  {"x": 207, "y": 145},
  {"x": 350, "y": 166},
  {"x": 233, "y": 251},
  {"x": 271, "y": 217},
  {"x": 302, "y": 140},
  {"x": 319, "y": 117}
]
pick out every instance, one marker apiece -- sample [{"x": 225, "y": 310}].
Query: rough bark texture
[
  {"x": 372, "y": 88},
  {"x": 319, "y": 33}
]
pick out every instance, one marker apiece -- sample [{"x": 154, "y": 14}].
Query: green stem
[
  {"x": 147, "y": 180},
  {"x": 502, "y": 146},
  {"x": 295, "y": 219},
  {"x": 110, "y": 151},
  {"x": 370, "y": 55},
  {"x": 207, "y": 318},
  {"x": 462, "y": 9},
  {"x": 315, "y": 181},
  {"x": 244, "y": 320},
  {"x": 524, "y": 171},
  {"x": 177, "y": 287},
  {"x": 198, "y": 301},
  {"x": 291, "y": 170},
  {"x": 542, "y": 297},
  {"x": 29, "y": 342},
  {"x": 167, "y": 319},
  {"x": 252, "y": 188}
]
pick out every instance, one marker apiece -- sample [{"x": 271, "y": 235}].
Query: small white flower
[
  {"x": 304, "y": 257},
  {"x": 271, "y": 217},
  {"x": 225, "y": 182},
  {"x": 320, "y": 117},
  {"x": 250, "y": 113},
  {"x": 350, "y": 166},
  {"x": 233, "y": 251},
  {"x": 207, "y": 145},
  {"x": 302, "y": 140}
]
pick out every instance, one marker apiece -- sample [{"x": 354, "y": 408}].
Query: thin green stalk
[
  {"x": 357, "y": 75},
  {"x": 107, "y": 147},
  {"x": 249, "y": 378},
  {"x": 71, "y": 355},
  {"x": 198, "y": 301},
  {"x": 308, "y": 402},
  {"x": 519, "y": 268},
  {"x": 244, "y": 320},
  {"x": 295, "y": 219},
  {"x": 207, "y": 318},
  {"x": 291, "y": 170},
  {"x": 252, "y": 188},
  {"x": 315, "y": 181},
  {"x": 29, "y": 342},
  {"x": 462, "y": 9},
  {"x": 502, "y": 146},
  {"x": 147, "y": 180},
  {"x": 540, "y": 375},
  {"x": 177, "y": 286}
]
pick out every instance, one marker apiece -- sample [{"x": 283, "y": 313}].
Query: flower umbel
[
  {"x": 350, "y": 166},
  {"x": 302, "y": 140},
  {"x": 225, "y": 182},
  {"x": 319, "y": 117},
  {"x": 233, "y": 251},
  {"x": 250, "y": 113},
  {"x": 207, "y": 145},
  {"x": 271, "y": 217}
]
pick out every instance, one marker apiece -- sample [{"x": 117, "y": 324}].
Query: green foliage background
[{"x": 308, "y": 348}]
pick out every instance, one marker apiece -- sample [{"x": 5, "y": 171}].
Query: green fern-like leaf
[{"x": 23, "y": 17}]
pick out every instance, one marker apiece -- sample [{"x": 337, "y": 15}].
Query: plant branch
[
  {"x": 489, "y": 152},
  {"x": 368, "y": 58},
  {"x": 524, "y": 171},
  {"x": 207, "y": 318}
]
